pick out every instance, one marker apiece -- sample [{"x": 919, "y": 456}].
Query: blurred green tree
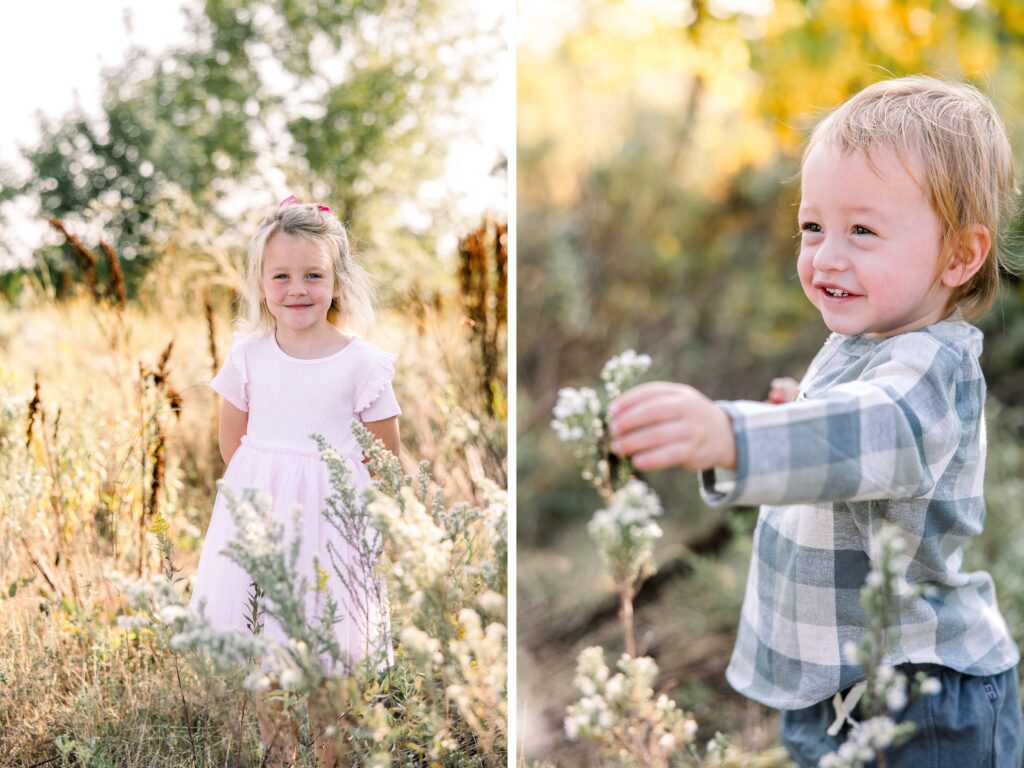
[{"x": 352, "y": 102}]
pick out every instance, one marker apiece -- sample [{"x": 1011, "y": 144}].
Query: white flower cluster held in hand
[
  {"x": 577, "y": 416},
  {"x": 615, "y": 709},
  {"x": 625, "y": 531},
  {"x": 622, "y": 371}
]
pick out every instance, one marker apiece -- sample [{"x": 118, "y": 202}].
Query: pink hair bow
[{"x": 293, "y": 200}]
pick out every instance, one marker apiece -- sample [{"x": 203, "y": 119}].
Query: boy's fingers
[
  {"x": 659, "y": 406},
  {"x": 673, "y": 455},
  {"x": 649, "y": 438},
  {"x": 639, "y": 393}
]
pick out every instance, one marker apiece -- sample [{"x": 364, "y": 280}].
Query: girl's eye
[
  {"x": 315, "y": 275},
  {"x": 279, "y": 275},
  {"x": 810, "y": 226},
  {"x": 859, "y": 230}
]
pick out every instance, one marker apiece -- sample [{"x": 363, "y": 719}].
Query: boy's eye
[
  {"x": 859, "y": 230},
  {"x": 809, "y": 226}
]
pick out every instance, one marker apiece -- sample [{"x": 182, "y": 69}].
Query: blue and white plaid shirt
[{"x": 883, "y": 429}]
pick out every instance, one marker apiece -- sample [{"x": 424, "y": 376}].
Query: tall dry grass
[{"x": 108, "y": 426}]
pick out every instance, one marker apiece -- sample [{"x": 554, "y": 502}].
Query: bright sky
[{"x": 52, "y": 54}]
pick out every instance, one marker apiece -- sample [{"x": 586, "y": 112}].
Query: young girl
[
  {"x": 292, "y": 374},
  {"x": 904, "y": 189}
]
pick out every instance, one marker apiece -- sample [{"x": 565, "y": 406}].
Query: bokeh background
[
  {"x": 658, "y": 143},
  {"x": 124, "y": 222}
]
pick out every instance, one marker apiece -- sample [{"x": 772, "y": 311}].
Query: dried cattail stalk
[
  {"x": 89, "y": 260},
  {"x": 160, "y": 374},
  {"x": 116, "y": 274},
  {"x": 156, "y": 482},
  {"x": 33, "y": 410},
  {"x": 155, "y": 442},
  {"x": 501, "y": 274},
  {"x": 483, "y": 292},
  {"x": 211, "y": 333}
]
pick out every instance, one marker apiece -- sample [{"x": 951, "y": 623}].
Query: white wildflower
[
  {"x": 896, "y": 697},
  {"x": 851, "y": 652},
  {"x": 133, "y": 621},
  {"x": 930, "y": 686},
  {"x": 291, "y": 679},
  {"x": 256, "y": 681},
  {"x": 171, "y": 613},
  {"x": 577, "y": 418},
  {"x": 625, "y": 532},
  {"x": 622, "y": 371},
  {"x": 420, "y": 551},
  {"x": 419, "y": 642}
]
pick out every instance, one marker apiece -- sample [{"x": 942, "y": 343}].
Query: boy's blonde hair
[
  {"x": 969, "y": 172},
  {"x": 352, "y": 309}
]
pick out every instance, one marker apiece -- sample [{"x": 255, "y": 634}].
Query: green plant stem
[{"x": 626, "y": 614}]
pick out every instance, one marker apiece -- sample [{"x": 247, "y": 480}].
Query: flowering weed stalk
[
  {"x": 886, "y": 690},
  {"x": 447, "y": 568},
  {"x": 581, "y": 421},
  {"x": 625, "y": 533},
  {"x": 621, "y": 713}
]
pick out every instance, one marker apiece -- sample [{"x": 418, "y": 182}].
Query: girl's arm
[
  {"x": 233, "y": 423},
  {"x": 386, "y": 430}
]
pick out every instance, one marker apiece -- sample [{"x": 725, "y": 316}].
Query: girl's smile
[{"x": 298, "y": 286}]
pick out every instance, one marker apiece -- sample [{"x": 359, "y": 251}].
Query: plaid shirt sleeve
[{"x": 888, "y": 433}]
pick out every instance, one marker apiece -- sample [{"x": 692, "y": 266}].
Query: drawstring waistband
[{"x": 845, "y": 706}]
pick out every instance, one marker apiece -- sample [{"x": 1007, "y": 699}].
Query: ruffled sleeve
[
  {"x": 232, "y": 381},
  {"x": 376, "y": 399}
]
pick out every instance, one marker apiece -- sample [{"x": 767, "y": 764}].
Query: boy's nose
[{"x": 828, "y": 257}]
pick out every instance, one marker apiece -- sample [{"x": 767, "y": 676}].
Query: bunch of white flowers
[
  {"x": 577, "y": 418},
  {"x": 865, "y": 740},
  {"x": 625, "y": 532},
  {"x": 623, "y": 371},
  {"x": 256, "y": 530},
  {"x": 580, "y": 417},
  {"x": 479, "y": 657},
  {"x": 418, "y": 549},
  {"x": 419, "y": 643},
  {"x": 622, "y": 713}
]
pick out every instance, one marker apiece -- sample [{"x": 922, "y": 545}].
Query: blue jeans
[{"x": 973, "y": 722}]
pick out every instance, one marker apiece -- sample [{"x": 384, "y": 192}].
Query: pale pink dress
[{"x": 287, "y": 400}]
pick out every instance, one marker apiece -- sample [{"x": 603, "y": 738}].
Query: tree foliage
[{"x": 351, "y": 102}]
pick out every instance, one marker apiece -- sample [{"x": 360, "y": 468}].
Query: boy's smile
[{"x": 870, "y": 243}]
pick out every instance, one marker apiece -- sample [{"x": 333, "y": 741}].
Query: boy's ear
[{"x": 969, "y": 257}]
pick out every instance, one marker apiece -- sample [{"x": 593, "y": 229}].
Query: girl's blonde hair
[
  {"x": 969, "y": 172},
  {"x": 352, "y": 309}
]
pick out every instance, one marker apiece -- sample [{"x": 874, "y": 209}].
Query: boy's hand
[
  {"x": 783, "y": 390},
  {"x": 661, "y": 424}
]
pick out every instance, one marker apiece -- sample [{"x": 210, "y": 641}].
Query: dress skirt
[{"x": 294, "y": 477}]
